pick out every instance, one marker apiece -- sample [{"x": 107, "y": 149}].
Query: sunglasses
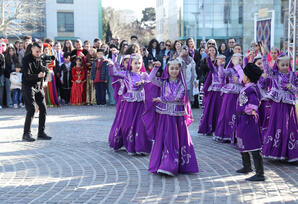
[
  {"x": 168, "y": 45},
  {"x": 211, "y": 44}
]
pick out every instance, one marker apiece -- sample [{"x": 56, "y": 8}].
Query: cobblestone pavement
[{"x": 77, "y": 166}]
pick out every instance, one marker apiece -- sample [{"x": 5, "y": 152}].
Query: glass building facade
[
  {"x": 221, "y": 19},
  {"x": 217, "y": 19}
]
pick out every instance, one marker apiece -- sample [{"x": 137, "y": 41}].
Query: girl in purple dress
[
  {"x": 248, "y": 134},
  {"x": 264, "y": 86},
  {"x": 173, "y": 150},
  {"x": 119, "y": 89},
  {"x": 281, "y": 137},
  {"x": 130, "y": 130},
  {"x": 117, "y": 82},
  {"x": 233, "y": 76},
  {"x": 212, "y": 100}
]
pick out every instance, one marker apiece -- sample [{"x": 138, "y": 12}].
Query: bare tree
[
  {"x": 123, "y": 30},
  {"x": 19, "y": 17}
]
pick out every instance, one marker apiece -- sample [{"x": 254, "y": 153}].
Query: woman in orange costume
[{"x": 78, "y": 80}]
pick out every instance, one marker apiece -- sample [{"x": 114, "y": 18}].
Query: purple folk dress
[
  {"x": 248, "y": 134},
  {"x": 225, "y": 127},
  {"x": 173, "y": 151},
  {"x": 128, "y": 129},
  {"x": 212, "y": 102},
  {"x": 281, "y": 137}
]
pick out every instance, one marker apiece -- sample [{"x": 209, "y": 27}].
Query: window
[
  {"x": 227, "y": 11},
  {"x": 240, "y": 12},
  {"x": 65, "y": 22},
  {"x": 65, "y": 1}
]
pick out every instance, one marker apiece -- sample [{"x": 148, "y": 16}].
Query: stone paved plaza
[{"x": 77, "y": 166}]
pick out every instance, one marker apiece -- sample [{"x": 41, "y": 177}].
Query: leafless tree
[
  {"x": 125, "y": 30},
  {"x": 19, "y": 17}
]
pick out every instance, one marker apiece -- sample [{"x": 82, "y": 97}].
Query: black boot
[
  {"x": 43, "y": 136},
  {"x": 258, "y": 161},
  {"x": 28, "y": 137},
  {"x": 246, "y": 163}
]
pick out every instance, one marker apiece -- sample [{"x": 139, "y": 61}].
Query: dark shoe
[
  {"x": 43, "y": 136},
  {"x": 258, "y": 161},
  {"x": 244, "y": 171},
  {"x": 28, "y": 138},
  {"x": 256, "y": 178}
]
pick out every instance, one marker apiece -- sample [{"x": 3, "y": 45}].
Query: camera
[{"x": 47, "y": 58}]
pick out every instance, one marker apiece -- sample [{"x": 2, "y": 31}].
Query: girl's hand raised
[
  {"x": 110, "y": 62},
  {"x": 235, "y": 60},
  {"x": 156, "y": 99},
  {"x": 263, "y": 49},
  {"x": 140, "y": 83},
  {"x": 289, "y": 86},
  {"x": 156, "y": 64}
]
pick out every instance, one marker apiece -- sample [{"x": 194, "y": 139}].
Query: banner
[{"x": 264, "y": 32}]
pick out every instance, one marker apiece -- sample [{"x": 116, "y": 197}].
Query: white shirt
[{"x": 16, "y": 80}]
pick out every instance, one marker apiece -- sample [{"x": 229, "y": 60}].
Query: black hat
[
  {"x": 253, "y": 72},
  {"x": 113, "y": 46}
]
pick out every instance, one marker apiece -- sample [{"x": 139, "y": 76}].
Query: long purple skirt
[
  {"x": 226, "y": 122},
  {"x": 115, "y": 138},
  {"x": 173, "y": 150},
  {"x": 281, "y": 137},
  {"x": 264, "y": 116},
  {"x": 132, "y": 130},
  {"x": 212, "y": 105}
]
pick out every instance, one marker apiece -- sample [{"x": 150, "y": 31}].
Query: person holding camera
[{"x": 34, "y": 73}]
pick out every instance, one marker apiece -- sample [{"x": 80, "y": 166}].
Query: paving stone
[{"x": 77, "y": 166}]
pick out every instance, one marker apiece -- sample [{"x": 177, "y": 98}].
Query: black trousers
[
  {"x": 65, "y": 94},
  {"x": 258, "y": 161},
  {"x": 32, "y": 96},
  {"x": 101, "y": 91}
]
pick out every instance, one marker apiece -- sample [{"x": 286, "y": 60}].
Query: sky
[{"x": 135, "y": 5}]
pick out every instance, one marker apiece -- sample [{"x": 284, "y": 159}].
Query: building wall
[
  {"x": 167, "y": 19},
  {"x": 173, "y": 10},
  {"x": 160, "y": 19},
  {"x": 86, "y": 19}
]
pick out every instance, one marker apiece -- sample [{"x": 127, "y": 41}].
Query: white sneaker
[
  {"x": 22, "y": 105},
  {"x": 15, "y": 106},
  {"x": 0, "y": 107}
]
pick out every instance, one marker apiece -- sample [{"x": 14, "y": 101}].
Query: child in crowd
[
  {"x": 66, "y": 78},
  {"x": 99, "y": 76},
  {"x": 16, "y": 87},
  {"x": 90, "y": 90},
  {"x": 78, "y": 80}
]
